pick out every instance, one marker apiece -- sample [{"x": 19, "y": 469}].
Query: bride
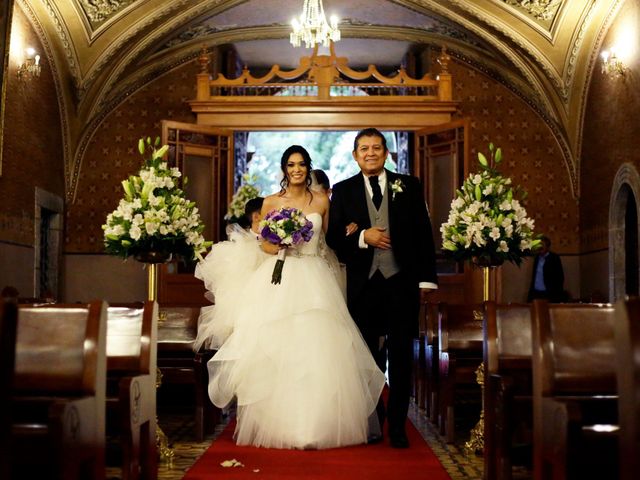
[{"x": 289, "y": 353}]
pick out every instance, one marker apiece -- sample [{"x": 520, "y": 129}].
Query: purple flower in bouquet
[{"x": 285, "y": 227}]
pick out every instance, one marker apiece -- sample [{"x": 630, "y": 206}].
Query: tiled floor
[{"x": 179, "y": 429}]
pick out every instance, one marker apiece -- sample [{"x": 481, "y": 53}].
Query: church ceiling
[{"x": 544, "y": 50}]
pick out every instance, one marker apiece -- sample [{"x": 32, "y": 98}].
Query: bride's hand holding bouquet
[{"x": 283, "y": 228}]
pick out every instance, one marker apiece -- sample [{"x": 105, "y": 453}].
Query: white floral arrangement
[
  {"x": 487, "y": 222},
  {"x": 154, "y": 215},
  {"x": 246, "y": 191}
]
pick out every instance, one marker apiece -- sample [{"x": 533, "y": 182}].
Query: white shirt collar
[{"x": 382, "y": 181}]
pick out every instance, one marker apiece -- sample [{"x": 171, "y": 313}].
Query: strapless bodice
[{"x": 311, "y": 247}]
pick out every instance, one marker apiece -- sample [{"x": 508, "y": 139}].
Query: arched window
[{"x": 624, "y": 263}]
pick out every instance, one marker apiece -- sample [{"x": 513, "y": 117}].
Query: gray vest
[{"x": 383, "y": 260}]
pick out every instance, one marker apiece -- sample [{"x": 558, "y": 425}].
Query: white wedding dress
[{"x": 290, "y": 353}]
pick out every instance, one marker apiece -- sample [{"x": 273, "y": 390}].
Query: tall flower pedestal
[
  {"x": 488, "y": 225},
  {"x": 475, "y": 445},
  {"x": 152, "y": 260},
  {"x": 154, "y": 220}
]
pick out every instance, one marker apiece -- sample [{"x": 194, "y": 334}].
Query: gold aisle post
[
  {"x": 166, "y": 453},
  {"x": 475, "y": 444}
]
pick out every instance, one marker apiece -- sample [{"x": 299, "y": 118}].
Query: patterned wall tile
[
  {"x": 532, "y": 157},
  {"x": 112, "y": 154}
]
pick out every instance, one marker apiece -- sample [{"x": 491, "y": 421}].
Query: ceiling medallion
[
  {"x": 100, "y": 10},
  {"x": 540, "y": 9}
]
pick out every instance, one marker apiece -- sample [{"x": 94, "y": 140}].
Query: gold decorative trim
[
  {"x": 95, "y": 121},
  {"x": 593, "y": 62},
  {"x": 6, "y": 15},
  {"x": 63, "y": 35},
  {"x": 97, "y": 11},
  {"x": 556, "y": 128},
  {"x": 545, "y": 10},
  {"x": 149, "y": 42}
]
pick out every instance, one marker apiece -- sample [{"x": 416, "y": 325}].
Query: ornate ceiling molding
[
  {"x": 149, "y": 76},
  {"x": 542, "y": 10},
  {"x": 64, "y": 38},
  {"x": 150, "y": 31},
  {"x": 98, "y": 12},
  {"x": 593, "y": 59},
  {"x": 544, "y": 50},
  {"x": 60, "y": 97}
]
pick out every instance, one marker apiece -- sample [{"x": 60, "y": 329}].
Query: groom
[{"x": 389, "y": 259}]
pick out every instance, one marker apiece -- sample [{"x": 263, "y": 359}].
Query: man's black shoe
[
  {"x": 399, "y": 440},
  {"x": 373, "y": 439}
]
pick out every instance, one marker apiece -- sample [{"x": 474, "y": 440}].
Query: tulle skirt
[{"x": 293, "y": 359}]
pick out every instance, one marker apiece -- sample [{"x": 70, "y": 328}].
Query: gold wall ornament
[
  {"x": 539, "y": 9},
  {"x": 98, "y": 11}
]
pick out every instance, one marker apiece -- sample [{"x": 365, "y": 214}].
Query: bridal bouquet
[
  {"x": 487, "y": 223},
  {"x": 285, "y": 227}
]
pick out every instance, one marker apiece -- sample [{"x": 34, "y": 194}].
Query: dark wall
[{"x": 32, "y": 153}]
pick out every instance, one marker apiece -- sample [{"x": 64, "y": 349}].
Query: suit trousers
[{"x": 386, "y": 313}]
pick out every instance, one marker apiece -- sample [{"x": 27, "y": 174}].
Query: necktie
[{"x": 377, "y": 193}]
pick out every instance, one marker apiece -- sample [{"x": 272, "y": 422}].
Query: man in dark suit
[
  {"x": 389, "y": 258},
  {"x": 547, "y": 279}
]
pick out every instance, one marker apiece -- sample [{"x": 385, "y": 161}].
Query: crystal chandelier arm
[{"x": 312, "y": 28}]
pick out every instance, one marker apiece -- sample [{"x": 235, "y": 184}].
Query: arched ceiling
[{"x": 102, "y": 50}]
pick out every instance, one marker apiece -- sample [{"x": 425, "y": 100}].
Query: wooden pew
[
  {"x": 58, "y": 427},
  {"x": 131, "y": 386},
  {"x": 574, "y": 391},
  {"x": 179, "y": 365},
  {"x": 460, "y": 343},
  {"x": 431, "y": 360},
  {"x": 8, "y": 326},
  {"x": 627, "y": 338},
  {"x": 507, "y": 383}
]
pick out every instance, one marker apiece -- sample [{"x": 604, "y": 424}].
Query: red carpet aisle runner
[{"x": 379, "y": 462}]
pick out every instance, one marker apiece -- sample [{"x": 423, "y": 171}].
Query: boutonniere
[{"x": 396, "y": 187}]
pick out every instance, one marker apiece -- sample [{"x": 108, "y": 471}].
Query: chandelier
[
  {"x": 30, "y": 68},
  {"x": 612, "y": 66},
  {"x": 312, "y": 27}
]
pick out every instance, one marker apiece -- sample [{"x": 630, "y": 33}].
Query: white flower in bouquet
[
  {"x": 247, "y": 191},
  {"x": 154, "y": 215},
  {"x": 486, "y": 221}
]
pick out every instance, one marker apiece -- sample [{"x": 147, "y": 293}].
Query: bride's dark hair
[{"x": 283, "y": 165}]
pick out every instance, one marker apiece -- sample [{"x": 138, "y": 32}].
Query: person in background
[
  {"x": 320, "y": 182},
  {"x": 252, "y": 214},
  {"x": 547, "y": 279}
]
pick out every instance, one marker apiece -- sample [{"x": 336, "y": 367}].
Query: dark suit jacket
[
  {"x": 553, "y": 276},
  {"x": 411, "y": 235}
]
